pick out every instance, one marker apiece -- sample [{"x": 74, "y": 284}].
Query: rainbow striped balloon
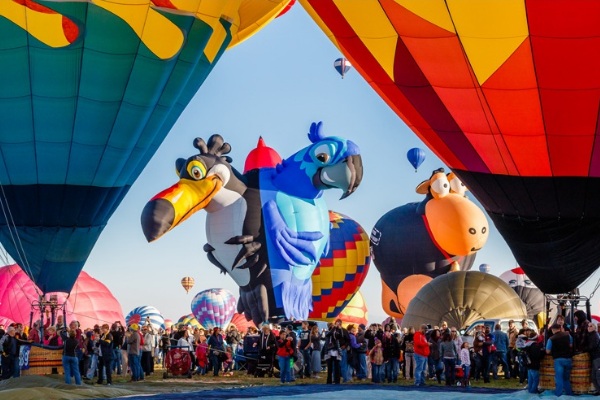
[
  {"x": 190, "y": 320},
  {"x": 139, "y": 314},
  {"x": 214, "y": 308}
]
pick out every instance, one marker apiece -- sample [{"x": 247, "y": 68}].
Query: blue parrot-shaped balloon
[{"x": 273, "y": 220}]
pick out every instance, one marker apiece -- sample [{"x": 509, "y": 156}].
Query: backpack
[{"x": 409, "y": 347}]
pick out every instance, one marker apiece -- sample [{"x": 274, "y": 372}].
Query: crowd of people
[{"x": 381, "y": 353}]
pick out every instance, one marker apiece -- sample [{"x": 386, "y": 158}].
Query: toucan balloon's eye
[
  {"x": 440, "y": 187},
  {"x": 324, "y": 153},
  {"x": 196, "y": 170}
]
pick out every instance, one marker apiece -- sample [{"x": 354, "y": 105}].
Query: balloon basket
[{"x": 580, "y": 374}]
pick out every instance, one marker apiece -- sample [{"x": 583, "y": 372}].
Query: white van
[{"x": 467, "y": 335}]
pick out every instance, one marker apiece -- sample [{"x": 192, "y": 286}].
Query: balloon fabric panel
[
  {"x": 85, "y": 107},
  {"x": 506, "y": 93}
]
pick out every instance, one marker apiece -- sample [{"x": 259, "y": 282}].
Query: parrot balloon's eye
[
  {"x": 440, "y": 187},
  {"x": 196, "y": 170},
  {"x": 323, "y": 157},
  {"x": 324, "y": 153}
]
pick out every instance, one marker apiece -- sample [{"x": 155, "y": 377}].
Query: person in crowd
[
  {"x": 216, "y": 346},
  {"x": 233, "y": 337},
  {"x": 534, "y": 352},
  {"x": 53, "y": 339},
  {"x": 465, "y": 362},
  {"x": 522, "y": 338},
  {"x": 291, "y": 333},
  {"x": 478, "y": 339},
  {"x": 376, "y": 358},
  {"x": 564, "y": 327},
  {"x": 333, "y": 355},
  {"x": 560, "y": 346},
  {"x": 315, "y": 345},
  {"x": 285, "y": 350},
  {"x": 165, "y": 344},
  {"x": 358, "y": 351},
  {"x": 304, "y": 345},
  {"x": 594, "y": 350},
  {"x": 146, "y": 347},
  {"x": 133, "y": 339},
  {"x": 185, "y": 343},
  {"x": 449, "y": 356},
  {"x": 34, "y": 333},
  {"x": 513, "y": 363},
  {"x": 70, "y": 361},
  {"x": 443, "y": 328},
  {"x": 118, "y": 334},
  {"x": 437, "y": 365},
  {"x": 10, "y": 353},
  {"x": 501, "y": 342},
  {"x": 106, "y": 355},
  {"x": 581, "y": 337},
  {"x": 391, "y": 354},
  {"x": 489, "y": 348},
  {"x": 201, "y": 356},
  {"x": 457, "y": 340},
  {"x": 421, "y": 352},
  {"x": 408, "y": 352}
]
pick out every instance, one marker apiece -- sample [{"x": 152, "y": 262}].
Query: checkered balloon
[{"x": 214, "y": 308}]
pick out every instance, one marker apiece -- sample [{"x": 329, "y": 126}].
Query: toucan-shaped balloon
[{"x": 267, "y": 228}]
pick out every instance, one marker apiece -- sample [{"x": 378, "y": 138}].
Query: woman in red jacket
[{"x": 284, "y": 353}]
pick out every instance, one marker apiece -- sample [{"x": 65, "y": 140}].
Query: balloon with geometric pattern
[
  {"x": 188, "y": 320},
  {"x": 214, "y": 307},
  {"x": 187, "y": 282},
  {"x": 356, "y": 312},
  {"x": 140, "y": 315},
  {"x": 340, "y": 272}
]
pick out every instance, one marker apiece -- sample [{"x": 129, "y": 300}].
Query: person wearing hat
[
  {"x": 133, "y": 338},
  {"x": 512, "y": 333},
  {"x": 216, "y": 345},
  {"x": 560, "y": 346}
]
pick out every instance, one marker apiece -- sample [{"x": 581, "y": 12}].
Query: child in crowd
[{"x": 465, "y": 360}]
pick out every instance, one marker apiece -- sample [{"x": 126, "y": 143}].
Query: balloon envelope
[
  {"x": 341, "y": 271},
  {"x": 141, "y": 314},
  {"x": 188, "y": 320},
  {"x": 416, "y": 156},
  {"x": 534, "y": 299},
  {"x": 214, "y": 308},
  {"x": 90, "y": 302},
  {"x": 187, "y": 283},
  {"x": 241, "y": 323},
  {"x": 485, "y": 268},
  {"x": 527, "y": 147},
  {"x": 462, "y": 297},
  {"x": 88, "y": 91},
  {"x": 342, "y": 66},
  {"x": 356, "y": 312}
]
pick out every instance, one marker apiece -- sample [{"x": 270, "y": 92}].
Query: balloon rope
[{"x": 24, "y": 263}]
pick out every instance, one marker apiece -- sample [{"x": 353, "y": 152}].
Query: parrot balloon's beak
[
  {"x": 346, "y": 175},
  {"x": 174, "y": 205}
]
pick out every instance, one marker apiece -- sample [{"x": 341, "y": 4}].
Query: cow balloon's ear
[{"x": 423, "y": 187}]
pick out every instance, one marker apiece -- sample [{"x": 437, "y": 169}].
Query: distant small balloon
[
  {"x": 342, "y": 66},
  {"x": 485, "y": 268},
  {"x": 416, "y": 156},
  {"x": 187, "y": 282}
]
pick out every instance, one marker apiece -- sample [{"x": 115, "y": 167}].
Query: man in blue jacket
[{"x": 500, "y": 357}]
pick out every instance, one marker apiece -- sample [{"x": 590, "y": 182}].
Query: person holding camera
[{"x": 336, "y": 341}]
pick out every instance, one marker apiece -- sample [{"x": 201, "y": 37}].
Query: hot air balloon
[
  {"x": 341, "y": 271},
  {"x": 143, "y": 314},
  {"x": 534, "y": 299},
  {"x": 356, "y": 312},
  {"x": 505, "y": 94},
  {"x": 241, "y": 323},
  {"x": 416, "y": 156},
  {"x": 268, "y": 228},
  {"x": 426, "y": 238},
  {"x": 187, "y": 282},
  {"x": 214, "y": 308},
  {"x": 90, "y": 302},
  {"x": 85, "y": 101},
  {"x": 188, "y": 320},
  {"x": 461, "y": 298},
  {"x": 485, "y": 268},
  {"x": 342, "y": 66}
]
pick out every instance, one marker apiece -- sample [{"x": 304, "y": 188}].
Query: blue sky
[{"x": 272, "y": 85}]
